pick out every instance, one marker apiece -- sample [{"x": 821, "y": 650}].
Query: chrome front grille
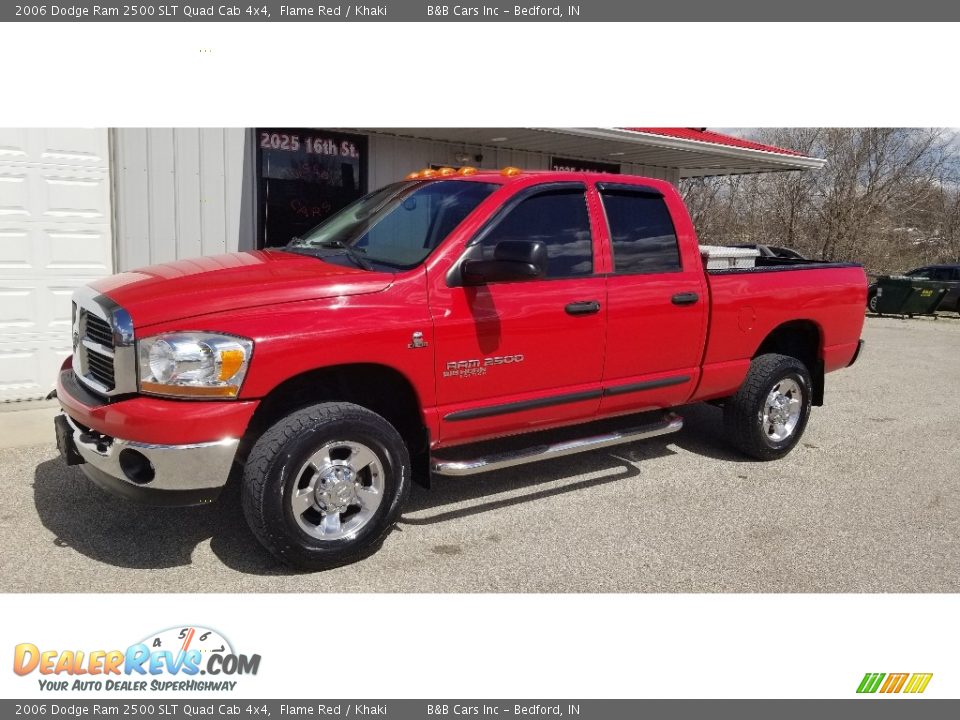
[
  {"x": 103, "y": 346},
  {"x": 101, "y": 368},
  {"x": 96, "y": 340},
  {"x": 97, "y": 330}
]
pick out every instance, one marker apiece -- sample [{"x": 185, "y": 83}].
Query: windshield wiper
[{"x": 355, "y": 254}]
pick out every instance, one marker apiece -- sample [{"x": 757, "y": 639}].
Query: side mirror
[{"x": 513, "y": 260}]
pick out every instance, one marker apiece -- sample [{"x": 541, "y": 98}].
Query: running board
[{"x": 671, "y": 423}]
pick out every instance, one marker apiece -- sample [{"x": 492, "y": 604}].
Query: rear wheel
[
  {"x": 873, "y": 302},
  {"x": 325, "y": 485},
  {"x": 767, "y": 416}
]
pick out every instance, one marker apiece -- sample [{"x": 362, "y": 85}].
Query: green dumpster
[
  {"x": 901, "y": 295},
  {"x": 892, "y": 292}
]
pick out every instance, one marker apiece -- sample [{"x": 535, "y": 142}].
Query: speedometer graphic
[{"x": 191, "y": 637}]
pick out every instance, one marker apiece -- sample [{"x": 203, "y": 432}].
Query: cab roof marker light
[
  {"x": 510, "y": 171},
  {"x": 446, "y": 172},
  {"x": 467, "y": 170}
]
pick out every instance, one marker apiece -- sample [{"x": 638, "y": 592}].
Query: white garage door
[{"x": 54, "y": 235}]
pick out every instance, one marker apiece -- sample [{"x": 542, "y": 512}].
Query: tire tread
[
  {"x": 739, "y": 412},
  {"x": 256, "y": 478}
]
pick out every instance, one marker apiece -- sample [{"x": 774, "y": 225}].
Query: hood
[{"x": 220, "y": 283}]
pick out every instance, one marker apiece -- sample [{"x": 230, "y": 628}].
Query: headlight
[{"x": 193, "y": 364}]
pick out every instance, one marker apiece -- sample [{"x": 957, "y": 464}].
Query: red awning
[
  {"x": 668, "y": 153},
  {"x": 709, "y": 136}
]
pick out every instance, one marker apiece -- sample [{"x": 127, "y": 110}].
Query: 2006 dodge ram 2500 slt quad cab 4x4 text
[{"x": 423, "y": 321}]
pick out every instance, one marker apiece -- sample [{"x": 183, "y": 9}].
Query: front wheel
[
  {"x": 325, "y": 485},
  {"x": 768, "y": 414},
  {"x": 873, "y": 302}
]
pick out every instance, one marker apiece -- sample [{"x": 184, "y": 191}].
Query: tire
[
  {"x": 873, "y": 302},
  {"x": 744, "y": 413},
  {"x": 308, "y": 468}
]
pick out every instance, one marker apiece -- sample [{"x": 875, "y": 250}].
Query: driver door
[{"x": 515, "y": 356}]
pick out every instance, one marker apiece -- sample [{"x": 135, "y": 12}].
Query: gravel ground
[{"x": 868, "y": 502}]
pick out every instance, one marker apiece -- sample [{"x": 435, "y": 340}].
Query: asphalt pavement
[{"x": 868, "y": 502}]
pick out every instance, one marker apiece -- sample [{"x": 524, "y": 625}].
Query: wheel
[
  {"x": 325, "y": 485},
  {"x": 873, "y": 302},
  {"x": 768, "y": 414}
]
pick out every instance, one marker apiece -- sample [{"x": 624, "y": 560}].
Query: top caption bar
[{"x": 490, "y": 11}]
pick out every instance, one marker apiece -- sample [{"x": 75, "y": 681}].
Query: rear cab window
[{"x": 643, "y": 238}]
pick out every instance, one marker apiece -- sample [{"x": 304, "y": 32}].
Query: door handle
[
  {"x": 584, "y": 307},
  {"x": 685, "y": 298}
]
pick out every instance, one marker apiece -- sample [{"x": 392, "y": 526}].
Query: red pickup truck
[{"x": 423, "y": 321}]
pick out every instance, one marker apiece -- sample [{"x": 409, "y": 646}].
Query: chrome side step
[{"x": 671, "y": 423}]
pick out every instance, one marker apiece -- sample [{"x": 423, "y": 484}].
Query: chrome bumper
[{"x": 195, "y": 472}]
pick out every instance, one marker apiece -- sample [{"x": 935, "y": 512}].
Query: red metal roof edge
[{"x": 715, "y": 138}]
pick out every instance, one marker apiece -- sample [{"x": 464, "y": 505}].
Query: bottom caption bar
[{"x": 424, "y": 709}]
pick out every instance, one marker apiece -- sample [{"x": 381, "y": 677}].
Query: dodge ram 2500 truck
[{"x": 568, "y": 310}]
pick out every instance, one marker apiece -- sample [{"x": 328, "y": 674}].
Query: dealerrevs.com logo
[{"x": 189, "y": 658}]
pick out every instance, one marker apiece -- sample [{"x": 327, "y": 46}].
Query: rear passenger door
[{"x": 656, "y": 301}]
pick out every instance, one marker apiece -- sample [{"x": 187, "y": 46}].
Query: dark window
[
  {"x": 920, "y": 273},
  {"x": 942, "y": 274},
  {"x": 642, "y": 233},
  {"x": 559, "y": 219},
  {"x": 305, "y": 176}
]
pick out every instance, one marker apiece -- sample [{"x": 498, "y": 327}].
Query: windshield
[{"x": 399, "y": 225}]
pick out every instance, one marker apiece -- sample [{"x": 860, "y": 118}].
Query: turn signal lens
[
  {"x": 197, "y": 391},
  {"x": 230, "y": 363},
  {"x": 467, "y": 170},
  {"x": 510, "y": 171}
]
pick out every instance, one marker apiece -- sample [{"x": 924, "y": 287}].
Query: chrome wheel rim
[
  {"x": 338, "y": 490},
  {"x": 781, "y": 411}
]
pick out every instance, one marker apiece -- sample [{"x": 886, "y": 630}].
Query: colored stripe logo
[{"x": 913, "y": 683}]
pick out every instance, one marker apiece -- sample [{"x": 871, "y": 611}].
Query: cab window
[
  {"x": 642, "y": 235},
  {"x": 557, "y": 218}
]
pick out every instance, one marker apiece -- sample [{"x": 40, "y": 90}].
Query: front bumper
[
  {"x": 154, "y": 474},
  {"x": 151, "y": 450}
]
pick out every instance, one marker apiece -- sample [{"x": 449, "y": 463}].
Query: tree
[{"x": 885, "y": 198}]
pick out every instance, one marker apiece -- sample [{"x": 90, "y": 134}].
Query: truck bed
[{"x": 747, "y": 304}]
